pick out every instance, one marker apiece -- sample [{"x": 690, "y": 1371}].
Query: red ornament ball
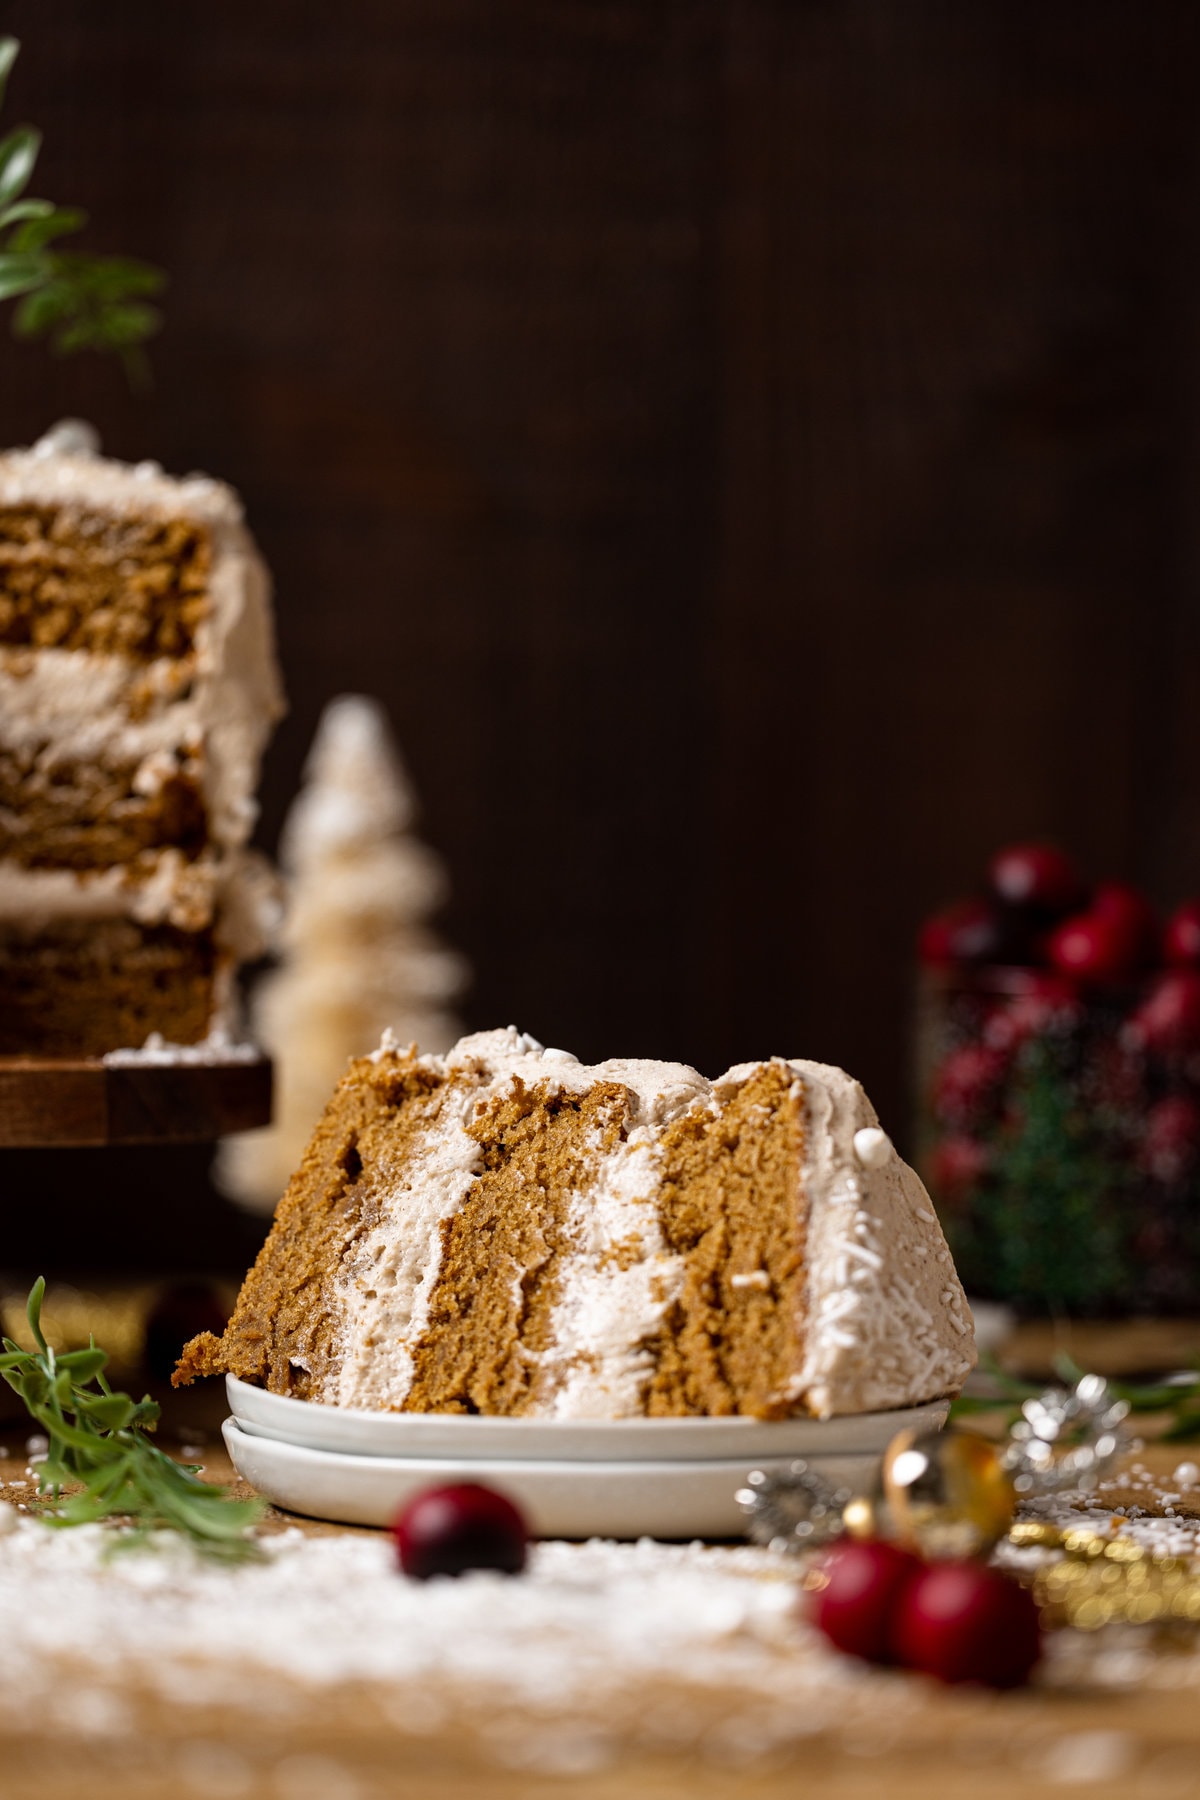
[
  {"x": 957, "y": 1166},
  {"x": 1181, "y": 938},
  {"x": 1050, "y": 1003},
  {"x": 966, "y": 1083},
  {"x": 448, "y": 1530},
  {"x": 968, "y": 933},
  {"x": 1170, "y": 1146},
  {"x": 1127, "y": 909},
  {"x": 1037, "y": 877},
  {"x": 864, "y": 1579},
  {"x": 962, "y": 1621},
  {"x": 1092, "y": 947},
  {"x": 1167, "y": 1023}
]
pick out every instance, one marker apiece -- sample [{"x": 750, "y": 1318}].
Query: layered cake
[
  {"x": 138, "y": 686},
  {"x": 505, "y": 1230}
]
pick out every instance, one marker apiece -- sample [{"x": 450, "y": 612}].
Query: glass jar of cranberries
[{"x": 1058, "y": 1062}]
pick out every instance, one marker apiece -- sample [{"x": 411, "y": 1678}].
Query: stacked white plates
[{"x": 574, "y": 1478}]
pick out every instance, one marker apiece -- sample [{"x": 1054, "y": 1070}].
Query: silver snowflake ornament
[{"x": 792, "y": 1507}]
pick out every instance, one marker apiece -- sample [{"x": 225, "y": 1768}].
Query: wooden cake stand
[{"x": 46, "y": 1102}]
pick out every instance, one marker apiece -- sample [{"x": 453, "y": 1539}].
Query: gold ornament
[
  {"x": 861, "y": 1518},
  {"x": 947, "y": 1493}
]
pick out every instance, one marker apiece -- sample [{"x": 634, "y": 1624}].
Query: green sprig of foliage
[
  {"x": 1178, "y": 1397},
  {"x": 100, "y": 1464},
  {"x": 74, "y": 299}
]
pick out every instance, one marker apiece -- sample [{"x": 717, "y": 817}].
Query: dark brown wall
[{"x": 750, "y": 445}]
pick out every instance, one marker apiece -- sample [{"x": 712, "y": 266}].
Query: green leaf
[
  {"x": 110, "y": 277},
  {"x": 84, "y": 1365},
  {"x": 42, "y": 228},
  {"x": 26, "y": 209},
  {"x": 77, "y": 302},
  {"x": 101, "y": 1465},
  {"x": 33, "y": 1312},
  {"x": 81, "y": 333},
  {"x": 130, "y": 322},
  {"x": 42, "y": 308},
  {"x": 18, "y": 156},
  {"x": 20, "y": 273},
  {"x": 9, "y": 46},
  {"x": 1184, "y": 1430},
  {"x": 112, "y": 1412}
]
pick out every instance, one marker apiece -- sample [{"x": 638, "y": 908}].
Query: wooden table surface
[{"x": 342, "y": 1744}]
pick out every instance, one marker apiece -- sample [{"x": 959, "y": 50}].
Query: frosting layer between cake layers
[
  {"x": 504, "y": 1229},
  {"x": 138, "y": 686}
]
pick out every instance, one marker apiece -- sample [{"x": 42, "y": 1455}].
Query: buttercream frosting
[
  {"x": 206, "y": 714},
  {"x": 885, "y": 1320}
]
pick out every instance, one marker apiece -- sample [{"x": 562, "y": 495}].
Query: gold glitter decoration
[
  {"x": 72, "y": 1317},
  {"x": 1032, "y": 1534},
  {"x": 947, "y": 1493},
  {"x": 1107, "y": 1581}
]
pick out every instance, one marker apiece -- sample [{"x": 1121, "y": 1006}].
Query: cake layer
[
  {"x": 56, "y": 814},
  {"x": 138, "y": 687},
  {"x": 135, "y": 625},
  {"x": 504, "y": 1230},
  {"x": 83, "y": 987},
  {"x": 75, "y": 578}
]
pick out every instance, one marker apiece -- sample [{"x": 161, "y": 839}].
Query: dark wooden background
[{"x": 750, "y": 445}]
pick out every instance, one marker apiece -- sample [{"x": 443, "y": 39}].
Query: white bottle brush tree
[{"x": 357, "y": 954}]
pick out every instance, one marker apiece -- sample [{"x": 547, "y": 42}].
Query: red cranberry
[
  {"x": 966, "y": 1083},
  {"x": 961, "y": 1621},
  {"x": 448, "y": 1530},
  {"x": 1128, "y": 909},
  {"x": 1036, "y": 877},
  {"x": 864, "y": 1578},
  {"x": 957, "y": 1167},
  {"x": 1167, "y": 1023},
  {"x": 1181, "y": 939},
  {"x": 1170, "y": 1147},
  {"x": 1092, "y": 948}
]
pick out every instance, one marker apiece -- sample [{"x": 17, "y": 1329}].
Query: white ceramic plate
[
  {"x": 683, "y": 1499},
  {"x": 460, "y": 1436}
]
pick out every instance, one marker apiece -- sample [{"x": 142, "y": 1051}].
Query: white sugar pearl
[
  {"x": 1186, "y": 1475},
  {"x": 872, "y": 1147}
]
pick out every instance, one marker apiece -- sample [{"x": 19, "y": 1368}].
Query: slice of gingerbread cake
[
  {"x": 138, "y": 686},
  {"x": 504, "y": 1230}
]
